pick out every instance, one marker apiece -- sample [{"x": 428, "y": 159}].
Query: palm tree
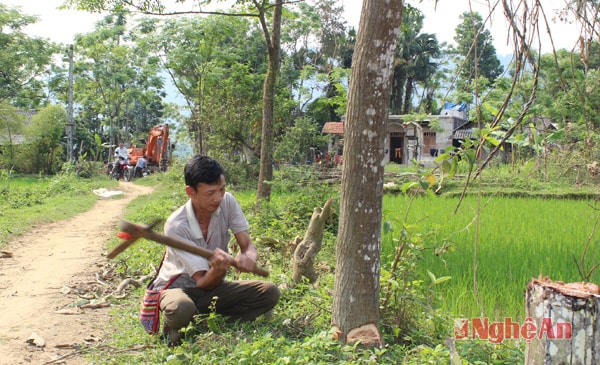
[
  {"x": 422, "y": 66},
  {"x": 414, "y": 60}
]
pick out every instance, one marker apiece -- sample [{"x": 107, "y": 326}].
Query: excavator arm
[{"x": 157, "y": 150}]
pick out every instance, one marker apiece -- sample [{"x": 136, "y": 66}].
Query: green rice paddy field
[{"x": 512, "y": 241}]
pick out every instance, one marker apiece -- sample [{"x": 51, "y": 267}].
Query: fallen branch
[
  {"x": 100, "y": 281},
  {"x": 100, "y": 304},
  {"x": 64, "y": 357},
  {"x": 125, "y": 283}
]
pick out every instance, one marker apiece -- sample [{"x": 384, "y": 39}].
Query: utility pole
[{"x": 70, "y": 125}]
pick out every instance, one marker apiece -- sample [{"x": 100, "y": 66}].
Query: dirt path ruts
[{"x": 45, "y": 262}]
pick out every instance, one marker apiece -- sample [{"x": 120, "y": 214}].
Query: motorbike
[{"x": 122, "y": 170}]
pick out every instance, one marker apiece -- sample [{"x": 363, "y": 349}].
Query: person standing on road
[{"x": 198, "y": 285}]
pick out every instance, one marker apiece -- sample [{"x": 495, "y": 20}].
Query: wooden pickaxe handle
[{"x": 138, "y": 231}]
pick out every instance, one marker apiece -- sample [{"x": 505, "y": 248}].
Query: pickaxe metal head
[{"x": 129, "y": 241}]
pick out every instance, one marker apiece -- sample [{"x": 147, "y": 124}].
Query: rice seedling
[{"x": 495, "y": 246}]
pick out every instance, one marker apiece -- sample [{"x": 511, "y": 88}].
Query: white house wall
[{"x": 443, "y": 139}]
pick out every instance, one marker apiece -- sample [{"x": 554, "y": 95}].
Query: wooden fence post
[{"x": 566, "y": 321}]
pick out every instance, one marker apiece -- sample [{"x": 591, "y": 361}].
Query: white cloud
[{"x": 57, "y": 25}]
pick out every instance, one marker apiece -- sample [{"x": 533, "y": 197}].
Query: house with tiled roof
[
  {"x": 335, "y": 128},
  {"x": 335, "y": 145}
]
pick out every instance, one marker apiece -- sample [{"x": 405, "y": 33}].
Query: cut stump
[
  {"x": 309, "y": 247},
  {"x": 566, "y": 323}
]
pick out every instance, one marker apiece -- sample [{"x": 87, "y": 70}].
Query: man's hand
[
  {"x": 246, "y": 262},
  {"x": 221, "y": 261},
  {"x": 246, "y": 259}
]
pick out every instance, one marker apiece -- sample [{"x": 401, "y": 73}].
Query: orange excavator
[{"x": 158, "y": 150}]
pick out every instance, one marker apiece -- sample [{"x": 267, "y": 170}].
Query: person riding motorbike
[{"x": 121, "y": 157}]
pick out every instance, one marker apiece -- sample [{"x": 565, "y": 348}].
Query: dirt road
[{"x": 40, "y": 276}]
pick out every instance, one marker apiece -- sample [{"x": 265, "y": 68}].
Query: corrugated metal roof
[
  {"x": 462, "y": 134},
  {"x": 14, "y": 140},
  {"x": 333, "y": 128}
]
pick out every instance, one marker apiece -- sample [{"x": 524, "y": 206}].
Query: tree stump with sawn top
[{"x": 565, "y": 323}]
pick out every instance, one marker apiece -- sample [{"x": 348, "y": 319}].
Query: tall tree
[
  {"x": 476, "y": 49},
  {"x": 217, "y": 64},
  {"x": 415, "y": 60},
  {"x": 422, "y": 67},
  {"x": 319, "y": 49},
  {"x": 332, "y": 39},
  {"x": 412, "y": 22},
  {"x": 273, "y": 40},
  {"x": 272, "y": 34},
  {"x": 304, "y": 58},
  {"x": 355, "y": 313},
  {"x": 117, "y": 83},
  {"x": 23, "y": 59}
]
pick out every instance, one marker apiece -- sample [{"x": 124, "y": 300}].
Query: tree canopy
[
  {"x": 128, "y": 68},
  {"x": 24, "y": 60},
  {"x": 476, "y": 50}
]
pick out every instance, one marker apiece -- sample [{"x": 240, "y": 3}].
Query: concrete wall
[{"x": 398, "y": 133}]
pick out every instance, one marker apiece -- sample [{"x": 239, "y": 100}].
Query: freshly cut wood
[{"x": 563, "y": 323}]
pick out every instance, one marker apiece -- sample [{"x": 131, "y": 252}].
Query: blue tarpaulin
[{"x": 452, "y": 106}]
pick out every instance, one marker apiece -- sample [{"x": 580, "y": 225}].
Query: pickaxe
[{"x": 136, "y": 231}]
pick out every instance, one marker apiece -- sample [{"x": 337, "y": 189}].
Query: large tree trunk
[
  {"x": 565, "y": 322},
  {"x": 355, "y": 315},
  {"x": 265, "y": 174}
]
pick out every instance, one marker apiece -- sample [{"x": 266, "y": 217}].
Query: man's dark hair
[{"x": 202, "y": 169}]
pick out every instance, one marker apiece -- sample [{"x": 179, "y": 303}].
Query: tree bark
[
  {"x": 355, "y": 315},
  {"x": 567, "y": 323},
  {"x": 310, "y": 246}
]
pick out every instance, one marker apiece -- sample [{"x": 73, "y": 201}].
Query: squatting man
[{"x": 207, "y": 219}]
